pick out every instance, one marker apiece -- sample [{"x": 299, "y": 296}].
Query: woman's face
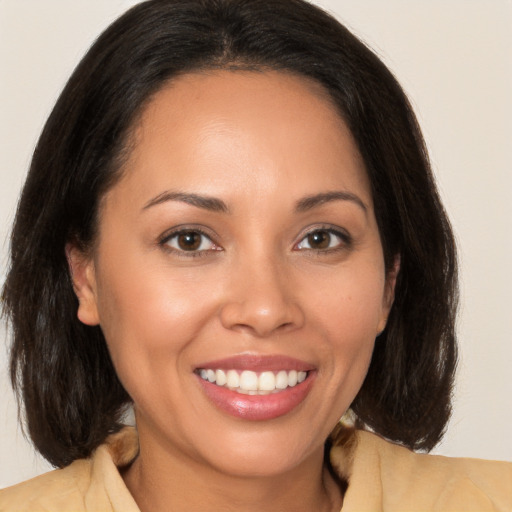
[{"x": 240, "y": 244}]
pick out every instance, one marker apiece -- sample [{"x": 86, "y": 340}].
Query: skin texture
[{"x": 260, "y": 142}]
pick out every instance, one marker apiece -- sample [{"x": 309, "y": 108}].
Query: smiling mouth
[{"x": 248, "y": 382}]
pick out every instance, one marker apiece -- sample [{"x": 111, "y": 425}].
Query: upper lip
[{"x": 258, "y": 363}]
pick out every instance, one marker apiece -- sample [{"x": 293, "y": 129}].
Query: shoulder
[
  {"x": 86, "y": 485},
  {"x": 391, "y": 477},
  {"x": 58, "y": 490}
]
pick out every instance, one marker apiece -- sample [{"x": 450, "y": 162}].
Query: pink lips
[{"x": 258, "y": 407}]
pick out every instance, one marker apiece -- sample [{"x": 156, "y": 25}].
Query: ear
[
  {"x": 389, "y": 293},
  {"x": 81, "y": 268}
]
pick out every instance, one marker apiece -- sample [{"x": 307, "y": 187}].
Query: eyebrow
[
  {"x": 217, "y": 205},
  {"x": 310, "y": 202},
  {"x": 205, "y": 202}
]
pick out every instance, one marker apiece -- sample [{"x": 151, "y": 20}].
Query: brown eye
[
  {"x": 319, "y": 239},
  {"x": 190, "y": 241},
  {"x": 323, "y": 239}
]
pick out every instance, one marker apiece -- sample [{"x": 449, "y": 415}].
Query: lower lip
[{"x": 258, "y": 407}]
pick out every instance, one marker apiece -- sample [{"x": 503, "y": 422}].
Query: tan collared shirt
[{"x": 382, "y": 477}]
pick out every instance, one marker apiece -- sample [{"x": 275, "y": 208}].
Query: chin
[{"x": 262, "y": 451}]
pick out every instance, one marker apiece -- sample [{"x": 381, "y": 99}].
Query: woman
[{"x": 230, "y": 223}]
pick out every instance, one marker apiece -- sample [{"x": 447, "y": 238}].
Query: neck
[{"x": 164, "y": 479}]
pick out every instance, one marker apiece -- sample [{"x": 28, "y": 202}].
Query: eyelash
[
  {"x": 168, "y": 237},
  {"x": 345, "y": 241}
]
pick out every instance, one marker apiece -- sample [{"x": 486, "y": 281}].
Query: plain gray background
[{"x": 453, "y": 57}]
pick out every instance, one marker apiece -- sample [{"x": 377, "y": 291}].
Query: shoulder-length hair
[{"x": 61, "y": 368}]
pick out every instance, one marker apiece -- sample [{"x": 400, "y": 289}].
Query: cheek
[
  {"x": 346, "y": 313},
  {"x": 349, "y": 304},
  {"x": 149, "y": 318}
]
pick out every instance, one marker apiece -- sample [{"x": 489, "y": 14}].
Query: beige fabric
[
  {"x": 387, "y": 477},
  {"x": 382, "y": 477},
  {"x": 87, "y": 485}
]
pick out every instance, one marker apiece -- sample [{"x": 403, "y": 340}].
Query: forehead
[{"x": 262, "y": 129}]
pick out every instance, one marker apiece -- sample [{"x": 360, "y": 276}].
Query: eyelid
[
  {"x": 163, "y": 240},
  {"x": 342, "y": 234}
]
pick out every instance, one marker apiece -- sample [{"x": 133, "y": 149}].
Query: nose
[{"x": 261, "y": 300}]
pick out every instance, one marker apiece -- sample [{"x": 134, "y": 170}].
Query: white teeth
[
  {"x": 233, "y": 379},
  {"x": 221, "y": 378},
  {"x": 267, "y": 381},
  {"x": 250, "y": 383},
  {"x": 282, "y": 380}
]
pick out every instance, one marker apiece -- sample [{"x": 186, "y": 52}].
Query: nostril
[{"x": 261, "y": 321}]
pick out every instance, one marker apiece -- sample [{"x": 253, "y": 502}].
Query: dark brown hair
[{"x": 62, "y": 369}]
